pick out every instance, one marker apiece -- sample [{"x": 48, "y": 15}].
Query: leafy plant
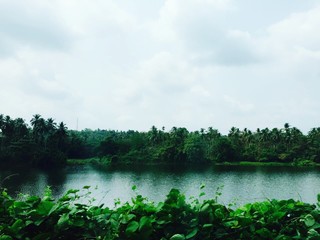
[{"x": 34, "y": 217}]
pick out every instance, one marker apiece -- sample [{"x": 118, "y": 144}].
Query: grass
[
  {"x": 85, "y": 161},
  {"x": 104, "y": 161},
  {"x": 258, "y": 164},
  {"x": 245, "y": 163}
]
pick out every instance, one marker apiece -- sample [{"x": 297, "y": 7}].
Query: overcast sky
[{"x": 186, "y": 63}]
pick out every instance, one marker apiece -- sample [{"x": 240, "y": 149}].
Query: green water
[{"x": 239, "y": 184}]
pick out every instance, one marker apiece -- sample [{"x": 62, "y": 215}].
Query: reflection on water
[{"x": 241, "y": 184}]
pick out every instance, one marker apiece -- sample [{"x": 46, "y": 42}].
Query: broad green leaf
[
  {"x": 309, "y": 220},
  {"x": 178, "y": 237},
  {"x": 28, "y": 222},
  {"x": 5, "y": 237},
  {"x": 86, "y": 187},
  {"x": 73, "y": 191},
  {"x": 54, "y": 208},
  {"x": 132, "y": 228},
  {"x": 244, "y": 221},
  {"x": 316, "y": 226},
  {"x": 205, "y": 208},
  {"x": 208, "y": 225},
  {"x": 19, "y": 205},
  {"x": 313, "y": 233},
  {"x": 290, "y": 205},
  {"x": 232, "y": 224},
  {"x": 17, "y": 225},
  {"x": 192, "y": 233},
  {"x": 65, "y": 198},
  {"x": 44, "y": 207},
  {"x": 278, "y": 215},
  {"x": 194, "y": 222},
  {"x": 160, "y": 206},
  {"x": 218, "y": 213},
  {"x": 127, "y": 218},
  {"x": 79, "y": 222},
  {"x": 114, "y": 224},
  {"x": 42, "y": 236},
  {"x": 264, "y": 232},
  {"x": 160, "y": 222},
  {"x": 39, "y": 221},
  {"x": 145, "y": 227},
  {"x": 33, "y": 199},
  {"x": 64, "y": 219},
  {"x": 145, "y": 222},
  {"x": 202, "y": 194},
  {"x": 264, "y": 208}
]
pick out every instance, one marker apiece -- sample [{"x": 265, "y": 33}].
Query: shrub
[{"x": 174, "y": 219}]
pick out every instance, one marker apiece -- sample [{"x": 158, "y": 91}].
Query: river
[{"x": 237, "y": 184}]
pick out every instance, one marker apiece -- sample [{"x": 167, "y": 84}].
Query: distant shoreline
[{"x": 105, "y": 162}]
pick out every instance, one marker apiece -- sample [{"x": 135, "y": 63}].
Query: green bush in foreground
[{"x": 174, "y": 219}]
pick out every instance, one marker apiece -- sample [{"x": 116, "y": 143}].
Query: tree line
[{"x": 45, "y": 143}]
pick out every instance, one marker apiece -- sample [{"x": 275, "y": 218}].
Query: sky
[{"x": 187, "y": 63}]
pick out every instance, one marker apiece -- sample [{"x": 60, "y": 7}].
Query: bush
[
  {"x": 303, "y": 162},
  {"x": 174, "y": 219}
]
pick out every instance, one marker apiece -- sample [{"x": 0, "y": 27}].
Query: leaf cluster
[{"x": 33, "y": 217}]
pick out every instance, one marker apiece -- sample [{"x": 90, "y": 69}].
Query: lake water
[{"x": 239, "y": 184}]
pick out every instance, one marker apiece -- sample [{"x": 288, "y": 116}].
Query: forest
[{"x": 45, "y": 143}]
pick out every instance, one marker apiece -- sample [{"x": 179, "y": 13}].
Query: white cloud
[
  {"x": 95, "y": 18},
  {"x": 198, "y": 31},
  {"x": 31, "y": 23},
  {"x": 298, "y": 30},
  {"x": 237, "y": 105},
  {"x": 120, "y": 65}
]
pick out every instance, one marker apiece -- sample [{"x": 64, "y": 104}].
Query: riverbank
[
  {"x": 106, "y": 162},
  {"x": 268, "y": 164},
  {"x": 85, "y": 161}
]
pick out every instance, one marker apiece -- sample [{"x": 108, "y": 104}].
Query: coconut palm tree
[
  {"x": 1, "y": 121},
  {"x": 39, "y": 128}
]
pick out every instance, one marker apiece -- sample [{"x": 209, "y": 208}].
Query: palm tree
[
  {"x": 286, "y": 126},
  {"x": 1, "y": 132},
  {"x": 20, "y": 128},
  {"x": 51, "y": 126},
  {"x": 314, "y": 144},
  {"x": 35, "y": 120},
  {"x": 8, "y": 127},
  {"x": 153, "y": 135},
  {"x": 62, "y": 133},
  {"x": 62, "y": 129},
  {"x": 1, "y": 121},
  {"x": 39, "y": 128}
]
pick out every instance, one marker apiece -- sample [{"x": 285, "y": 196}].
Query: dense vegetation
[
  {"x": 45, "y": 143},
  {"x": 176, "y": 218}
]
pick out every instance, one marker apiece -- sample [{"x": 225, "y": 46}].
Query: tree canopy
[{"x": 45, "y": 143}]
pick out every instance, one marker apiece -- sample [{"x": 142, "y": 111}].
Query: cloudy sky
[{"x": 126, "y": 64}]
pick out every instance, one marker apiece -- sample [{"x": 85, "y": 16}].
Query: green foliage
[
  {"x": 224, "y": 151},
  {"x": 174, "y": 219},
  {"x": 42, "y": 145},
  {"x": 46, "y": 144},
  {"x": 194, "y": 148},
  {"x": 303, "y": 162}
]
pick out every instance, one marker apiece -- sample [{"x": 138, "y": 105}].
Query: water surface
[{"x": 240, "y": 184}]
